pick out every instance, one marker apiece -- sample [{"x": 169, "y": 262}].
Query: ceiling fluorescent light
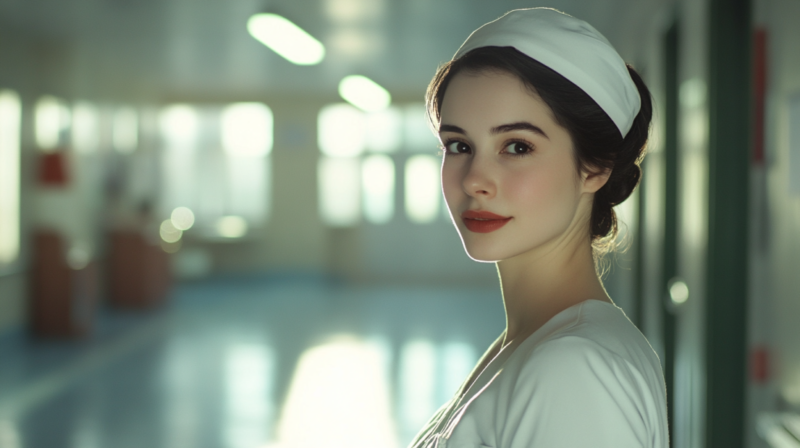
[
  {"x": 286, "y": 39},
  {"x": 364, "y": 93}
]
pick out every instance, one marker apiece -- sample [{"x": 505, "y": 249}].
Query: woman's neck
[{"x": 539, "y": 284}]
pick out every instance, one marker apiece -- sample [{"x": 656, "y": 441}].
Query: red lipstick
[{"x": 482, "y": 221}]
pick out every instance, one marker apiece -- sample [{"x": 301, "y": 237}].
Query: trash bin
[{"x": 63, "y": 298}]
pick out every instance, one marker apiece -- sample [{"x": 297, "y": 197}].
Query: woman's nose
[{"x": 477, "y": 179}]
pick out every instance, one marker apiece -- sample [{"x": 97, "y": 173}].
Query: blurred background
[{"x": 221, "y": 224}]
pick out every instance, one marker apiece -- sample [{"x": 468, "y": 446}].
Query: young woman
[{"x": 543, "y": 127}]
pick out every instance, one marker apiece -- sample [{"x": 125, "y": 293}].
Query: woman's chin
[
  {"x": 482, "y": 254},
  {"x": 486, "y": 248},
  {"x": 482, "y": 259}
]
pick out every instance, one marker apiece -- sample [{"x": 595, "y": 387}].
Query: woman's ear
[{"x": 595, "y": 179}]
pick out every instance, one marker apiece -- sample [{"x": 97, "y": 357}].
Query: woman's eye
[
  {"x": 456, "y": 148},
  {"x": 518, "y": 148}
]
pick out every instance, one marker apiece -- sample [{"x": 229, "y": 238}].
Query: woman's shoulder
[
  {"x": 595, "y": 329},
  {"x": 585, "y": 371},
  {"x": 597, "y": 344},
  {"x": 572, "y": 384}
]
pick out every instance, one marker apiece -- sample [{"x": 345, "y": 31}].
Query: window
[
  {"x": 178, "y": 126},
  {"x": 85, "y": 127},
  {"x": 339, "y": 190},
  {"x": 422, "y": 188},
  {"x": 342, "y": 131},
  {"x": 384, "y": 131},
  {"x": 247, "y": 130},
  {"x": 342, "y": 134},
  {"x": 377, "y": 174},
  {"x": 10, "y": 111},
  {"x": 125, "y": 130},
  {"x": 52, "y": 120},
  {"x": 216, "y": 164},
  {"x": 247, "y": 141},
  {"x": 360, "y": 153}
]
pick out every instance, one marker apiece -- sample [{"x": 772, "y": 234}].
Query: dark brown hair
[{"x": 596, "y": 139}]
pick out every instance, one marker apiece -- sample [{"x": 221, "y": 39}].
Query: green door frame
[
  {"x": 726, "y": 276},
  {"x": 669, "y": 255}
]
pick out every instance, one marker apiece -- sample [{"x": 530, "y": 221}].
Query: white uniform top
[{"x": 586, "y": 378}]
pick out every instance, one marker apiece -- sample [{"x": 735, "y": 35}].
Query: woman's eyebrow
[
  {"x": 451, "y": 128},
  {"x": 519, "y": 126}
]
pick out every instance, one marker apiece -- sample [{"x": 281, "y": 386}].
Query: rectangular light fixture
[
  {"x": 285, "y": 38},
  {"x": 364, "y": 93}
]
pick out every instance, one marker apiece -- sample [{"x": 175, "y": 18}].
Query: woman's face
[{"x": 509, "y": 174}]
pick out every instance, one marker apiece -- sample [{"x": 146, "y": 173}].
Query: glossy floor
[{"x": 250, "y": 363}]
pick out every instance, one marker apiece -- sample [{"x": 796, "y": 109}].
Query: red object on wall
[
  {"x": 139, "y": 272},
  {"x": 759, "y": 364},
  {"x": 62, "y": 299},
  {"x": 53, "y": 169},
  {"x": 759, "y": 92}
]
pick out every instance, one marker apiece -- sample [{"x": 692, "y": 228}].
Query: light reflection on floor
[
  {"x": 339, "y": 397},
  {"x": 417, "y": 392},
  {"x": 249, "y": 372},
  {"x": 251, "y": 363}
]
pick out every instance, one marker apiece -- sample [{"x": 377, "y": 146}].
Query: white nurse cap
[{"x": 571, "y": 47}]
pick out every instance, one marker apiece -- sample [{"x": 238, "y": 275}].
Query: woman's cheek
[
  {"x": 451, "y": 186},
  {"x": 543, "y": 196},
  {"x": 451, "y": 180},
  {"x": 529, "y": 190}
]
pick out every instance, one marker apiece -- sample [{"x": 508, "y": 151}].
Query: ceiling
[{"x": 200, "y": 48}]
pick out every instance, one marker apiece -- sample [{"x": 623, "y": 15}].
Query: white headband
[{"x": 571, "y": 47}]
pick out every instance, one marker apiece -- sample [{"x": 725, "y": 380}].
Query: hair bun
[{"x": 626, "y": 171}]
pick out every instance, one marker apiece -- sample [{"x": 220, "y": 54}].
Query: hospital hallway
[
  {"x": 251, "y": 362},
  {"x": 222, "y": 223}
]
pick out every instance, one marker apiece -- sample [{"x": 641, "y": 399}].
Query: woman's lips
[{"x": 482, "y": 221}]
